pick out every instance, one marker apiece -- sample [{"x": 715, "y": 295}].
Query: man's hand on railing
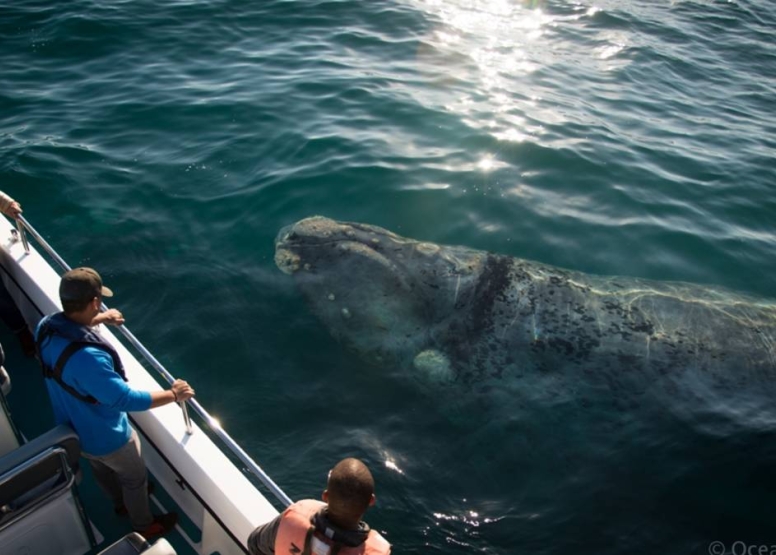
[
  {"x": 182, "y": 391},
  {"x": 14, "y": 210},
  {"x": 110, "y": 317},
  {"x": 9, "y": 206}
]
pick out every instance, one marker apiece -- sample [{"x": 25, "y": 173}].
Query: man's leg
[
  {"x": 131, "y": 475},
  {"x": 107, "y": 481}
]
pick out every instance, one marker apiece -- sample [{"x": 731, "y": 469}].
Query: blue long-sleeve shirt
[{"x": 103, "y": 427}]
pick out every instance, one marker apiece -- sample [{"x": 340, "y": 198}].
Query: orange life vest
[{"x": 295, "y": 534}]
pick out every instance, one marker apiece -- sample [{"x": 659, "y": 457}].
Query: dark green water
[{"x": 166, "y": 143}]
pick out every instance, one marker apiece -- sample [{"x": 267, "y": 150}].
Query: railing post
[
  {"x": 159, "y": 368},
  {"x": 23, "y": 235}
]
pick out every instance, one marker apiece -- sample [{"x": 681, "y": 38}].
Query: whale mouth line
[
  {"x": 366, "y": 248},
  {"x": 293, "y": 238},
  {"x": 289, "y": 256},
  {"x": 342, "y": 245},
  {"x": 286, "y": 244},
  {"x": 320, "y": 231}
]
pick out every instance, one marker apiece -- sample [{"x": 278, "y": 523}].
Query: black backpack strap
[
  {"x": 56, "y": 372},
  {"x": 85, "y": 337}
]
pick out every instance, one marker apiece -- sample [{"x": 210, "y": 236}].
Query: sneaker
[
  {"x": 160, "y": 526},
  {"x": 121, "y": 510}
]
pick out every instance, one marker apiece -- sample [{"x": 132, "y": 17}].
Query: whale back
[{"x": 453, "y": 316}]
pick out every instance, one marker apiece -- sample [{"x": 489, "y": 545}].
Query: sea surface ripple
[{"x": 166, "y": 143}]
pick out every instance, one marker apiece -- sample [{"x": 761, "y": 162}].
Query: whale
[{"x": 452, "y": 318}]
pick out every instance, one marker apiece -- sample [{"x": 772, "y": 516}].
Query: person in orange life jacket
[
  {"x": 88, "y": 390},
  {"x": 333, "y": 527},
  {"x": 9, "y": 312}
]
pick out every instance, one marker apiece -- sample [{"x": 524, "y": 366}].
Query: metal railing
[{"x": 23, "y": 225}]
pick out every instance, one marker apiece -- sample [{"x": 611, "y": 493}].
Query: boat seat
[
  {"x": 9, "y": 435},
  {"x": 32, "y": 466},
  {"x": 5, "y": 380},
  {"x": 39, "y": 507},
  {"x": 134, "y": 543}
]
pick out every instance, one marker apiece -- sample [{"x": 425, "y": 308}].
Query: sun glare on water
[
  {"x": 492, "y": 62},
  {"x": 494, "y": 44}
]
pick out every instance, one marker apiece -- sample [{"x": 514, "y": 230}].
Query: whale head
[{"x": 381, "y": 294}]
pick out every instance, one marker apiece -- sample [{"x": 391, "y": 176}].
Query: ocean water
[{"x": 166, "y": 143}]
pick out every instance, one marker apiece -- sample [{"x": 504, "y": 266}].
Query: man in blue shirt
[{"x": 89, "y": 391}]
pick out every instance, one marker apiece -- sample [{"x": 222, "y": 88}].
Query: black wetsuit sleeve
[{"x": 262, "y": 539}]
